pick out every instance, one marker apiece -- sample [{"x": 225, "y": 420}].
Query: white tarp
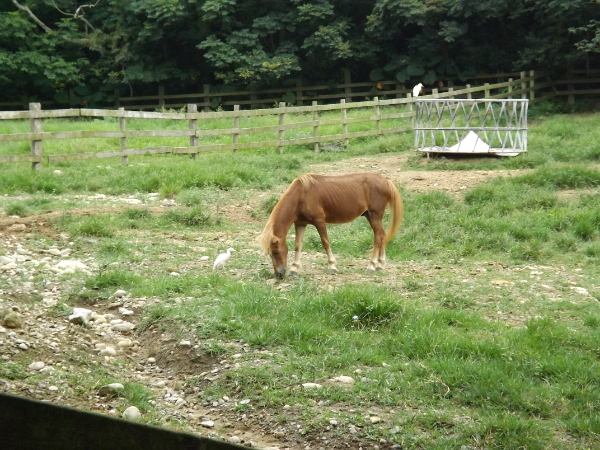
[{"x": 470, "y": 143}]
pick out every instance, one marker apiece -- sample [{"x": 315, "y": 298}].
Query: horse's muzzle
[{"x": 280, "y": 272}]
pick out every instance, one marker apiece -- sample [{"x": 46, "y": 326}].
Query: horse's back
[{"x": 342, "y": 197}]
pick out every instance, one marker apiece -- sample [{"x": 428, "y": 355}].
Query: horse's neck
[{"x": 284, "y": 217}]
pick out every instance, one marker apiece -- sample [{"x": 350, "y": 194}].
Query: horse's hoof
[
  {"x": 379, "y": 269},
  {"x": 331, "y": 272},
  {"x": 370, "y": 270},
  {"x": 293, "y": 273}
]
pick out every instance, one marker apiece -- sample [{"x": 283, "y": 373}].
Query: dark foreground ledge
[{"x": 35, "y": 425}]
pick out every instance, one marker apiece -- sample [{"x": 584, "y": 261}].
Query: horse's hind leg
[
  {"x": 377, "y": 260},
  {"x": 322, "y": 229},
  {"x": 297, "y": 265}
]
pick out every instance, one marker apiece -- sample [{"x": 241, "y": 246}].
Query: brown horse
[{"x": 320, "y": 199}]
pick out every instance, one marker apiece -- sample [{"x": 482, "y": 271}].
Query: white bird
[
  {"x": 417, "y": 89},
  {"x": 220, "y": 261}
]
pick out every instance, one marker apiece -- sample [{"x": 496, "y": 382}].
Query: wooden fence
[{"x": 523, "y": 87}]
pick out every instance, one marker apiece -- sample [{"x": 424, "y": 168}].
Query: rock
[
  {"x": 123, "y": 327},
  {"x": 132, "y": 413},
  {"x": 38, "y": 365},
  {"x": 311, "y": 385},
  {"x": 72, "y": 265},
  {"x": 205, "y": 258},
  {"x": 111, "y": 390},
  {"x": 108, "y": 351},
  {"x": 17, "y": 227},
  {"x": 53, "y": 251},
  {"x": 279, "y": 434},
  {"x": 343, "y": 380},
  {"x": 6, "y": 260},
  {"x": 207, "y": 423},
  {"x": 234, "y": 440},
  {"x": 125, "y": 312},
  {"x": 12, "y": 320},
  {"x": 80, "y": 316},
  {"x": 125, "y": 343},
  {"x": 120, "y": 293},
  {"x": 53, "y": 388},
  {"x": 151, "y": 360},
  {"x": 375, "y": 419},
  {"x": 185, "y": 344}
]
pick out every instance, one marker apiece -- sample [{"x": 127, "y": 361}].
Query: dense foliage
[{"x": 109, "y": 47}]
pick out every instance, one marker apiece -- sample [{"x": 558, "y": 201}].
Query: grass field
[{"x": 483, "y": 334}]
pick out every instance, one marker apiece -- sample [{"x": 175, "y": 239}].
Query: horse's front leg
[
  {"x": 297, "y": 264},
  {"x": 322, "y": 229}
]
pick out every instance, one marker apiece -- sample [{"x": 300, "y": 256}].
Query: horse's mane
[{"x": 267, "y": 234}]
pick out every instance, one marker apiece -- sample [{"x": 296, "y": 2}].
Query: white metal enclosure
[{"x": 494, "y": 126}]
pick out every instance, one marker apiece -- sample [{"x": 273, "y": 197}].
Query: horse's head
[{"x": 278, "y": 250}]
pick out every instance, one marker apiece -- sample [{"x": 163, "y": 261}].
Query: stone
[
  {"x": 12, "y": 320},
  {"x": 38, "y": 365},
  {"x": 185, "y": 344},
  {"x": 344, "y": 380},
  {"x": 120, "y": 293},
  {"x": 375, "y": 419},
  {"x": 125, "y": 343},
  {"x": 311, "y": 385},
  {"x": 111, "y": 390},
  {"x": 80, "y": 316},
  {"x": 123, "y": 327},
  {"x": 132, "y": 413},
  {"x": 108, "y": 351},
  {"x": 71, "y": 264},
  {"x": 234, "y": 440},
  {"x": 207, "y": 423}
]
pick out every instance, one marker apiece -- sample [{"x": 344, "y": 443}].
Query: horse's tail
[{"x": 397, "y": 210}]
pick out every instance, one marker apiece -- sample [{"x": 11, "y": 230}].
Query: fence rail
[{"x": 380, "y": 120}]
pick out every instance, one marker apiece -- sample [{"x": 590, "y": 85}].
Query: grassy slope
[{"x": 439, "y": 357}]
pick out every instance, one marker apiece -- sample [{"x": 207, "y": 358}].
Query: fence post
[
  {"x": 398, "y": 87},
  {"x": 450, "y": 92},
  {"x": 280, "y": 134},
  {"x": 315, "y": 118},
  {"x": 161, "y": 96},
  {"x": 236, "y": 126},
  {"x": 571, "y": 96},
  {"x": 253, "y": 99},
  {"x": 193, "y": 126},
  {"x": 410, "y": 108},
  {"x": 377, "y": 114},
  {"x": 35, "y": 125},
  {"x": 434, "y": 93},
  {"x": 344, "y": 121},
  {"x": 122, "y": 129},
  {"x": 486, "y": 92},
  {"x": 469, "y": 93},
  {"x": 523, "y": 84},
  {"x": 299, "y": 96},
  {"x": 347, "y": 89},
  {"x": 206, "y": 97},
  {"x": 532, "y": 86},
  {"x": 510, "y": 85}
]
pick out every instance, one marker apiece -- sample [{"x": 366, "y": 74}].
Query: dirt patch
[{"x": 451, "y": 181}]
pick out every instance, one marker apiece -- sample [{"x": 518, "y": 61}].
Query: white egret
[
  {"x": 220, "y": 261},
  {"x": 417, "y": 89}
]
